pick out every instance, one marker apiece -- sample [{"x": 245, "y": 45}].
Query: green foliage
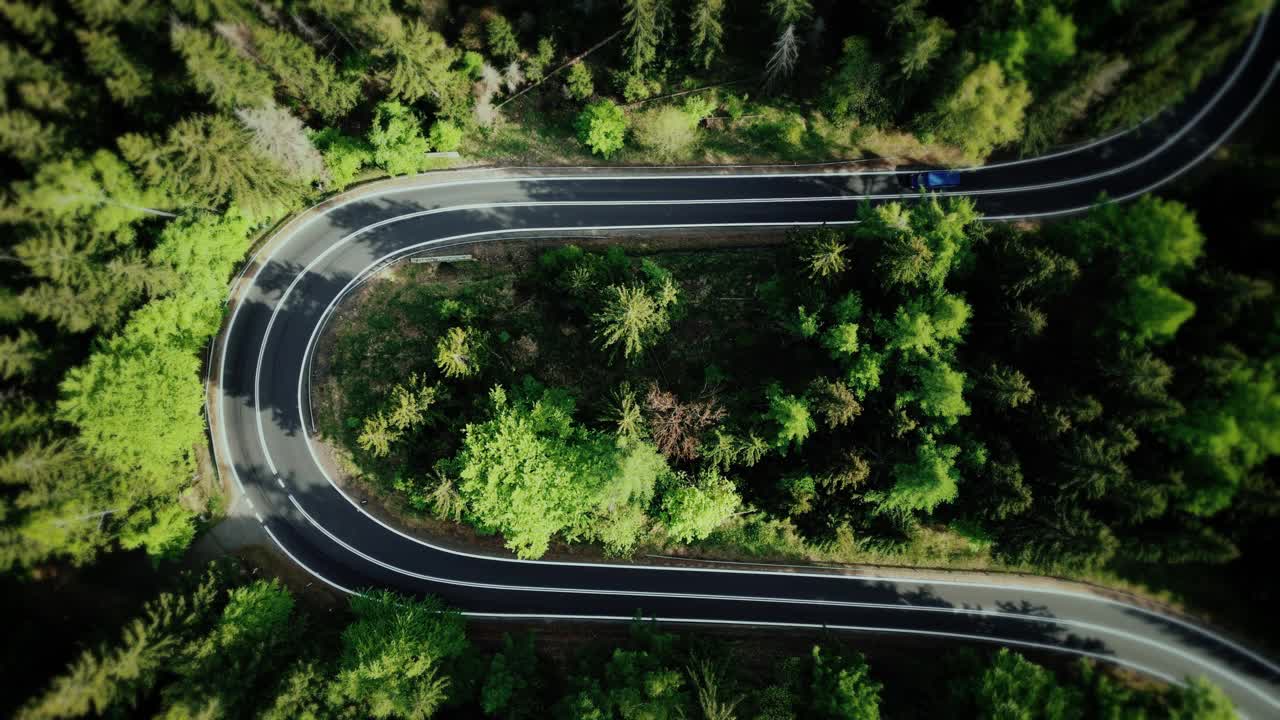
[
  {"x": 842, "y": 689},
  {"x": 501, "y": 38},
  {"x": 343, "y": 155},
  {"x": 983, "y": 112},
  {"x": 1013, "y": 687},
  {"x": 511, "y": 686},
  {"x": 444, "y": 136},
  {"x": 579, "y": 83},
  {"x": 645, "y": 21},
  {"x": 216, "y": 69},
  {"x": 692, "y": 510},
  {"x": 127, "y": 80},
  {"x": 1153, "y": 312},
  {"x": 396, "y": 655},
  {"x": 530, "y": 472},
  {"x": 396, "y": 139},
  {"x": 922, "y": 46},
  {"x": 1229, "y": 430},
  {"x": 931, "y": 479},
  {"x": 210, "y": 160},
  {"x": 602, "y": 127},
  {"x": 706, "y": 31},
  {"x": 419, "y": 65},
  {"x": 311, "y": 81},
  {"x": 668, "y": 132},
  {"x": 854, "y": 92},
  {"x": 458, "y": 353},
  {"x": 824, "y": 251},
  {"x": 790, "y": 415},
  {"x": 634, "y": 316},
  {"x": 536, "y": 65}
]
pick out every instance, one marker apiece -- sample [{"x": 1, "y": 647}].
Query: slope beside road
[{"x": 260, "y": 415}]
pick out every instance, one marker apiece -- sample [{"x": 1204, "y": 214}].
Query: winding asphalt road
[{"x": 262, "y": 429}]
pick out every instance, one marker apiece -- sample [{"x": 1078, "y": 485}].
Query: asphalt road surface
[{"x": 262, "y": 429}]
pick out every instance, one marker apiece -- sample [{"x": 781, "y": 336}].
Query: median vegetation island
[
  {"x": 390, "y": 656},
  {"x": 923, "y": 388}
]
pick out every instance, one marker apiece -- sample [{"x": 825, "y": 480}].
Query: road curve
[{"x": 260, "y": 416}]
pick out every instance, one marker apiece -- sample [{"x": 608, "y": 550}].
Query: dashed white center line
[{"x": 280, "y": 482}]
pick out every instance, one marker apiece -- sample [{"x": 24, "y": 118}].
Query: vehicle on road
[{"x": 935, "y": 180}]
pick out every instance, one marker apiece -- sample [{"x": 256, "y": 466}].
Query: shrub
[
  {"x": 444, "y": 136},
  {"x": 343, "y": 156},
  {"x": 669, "y": 132}
]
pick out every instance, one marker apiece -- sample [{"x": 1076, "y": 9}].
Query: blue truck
[{"x": 935, "y": 180}]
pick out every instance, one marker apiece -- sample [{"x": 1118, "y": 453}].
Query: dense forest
[
  {"x": 149, "y": 144},
  {"x": 1102, "y": 394},
  {"x": 221, "y": 645}
]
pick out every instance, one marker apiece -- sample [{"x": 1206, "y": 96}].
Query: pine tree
[
  {"x": 211, "y": 159},
  {"x": 705, "y": 30},
  {"x": 19, "y": 355},
  {"x": 645, "y": 21},
  {"x": 824, "y": 253},
  {"x": 308, "y": 79},
  {"x": 127, "y": 81},
  {"x": 421, "y": 68},
  {"x": 457, "y": 353},
  {"x": 217, "y": 70}
]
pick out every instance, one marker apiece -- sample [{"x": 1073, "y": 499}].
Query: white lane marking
[
  {"x": 249, "y": 500},
  {"x": 280, "y": 482},
  {"x": 260, "y": 522},
  {"x": 1064, "y": 622},
  {"x": 304, "y": 566}
]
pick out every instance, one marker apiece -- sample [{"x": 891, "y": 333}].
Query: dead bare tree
[
  {"x": 786, "y": 49},
  {"x": 677, "y": 426}
]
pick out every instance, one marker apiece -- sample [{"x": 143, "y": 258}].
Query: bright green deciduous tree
[
  {"x": 343, "y": 156},
  {"x": 691, "y": 511},
  {"x": 602, "y": 127},
  {"x": 669, "y": 132},
  {"x": 399, "y": 146},
  {"x": 842, "y": 688},
  {"x": 1015, "y": 687},
  {"x": 396, "y": 655},
  {"x": 790, "y": 415},
  {"x": 982, "y": 113},
  {"x": 925, "y": 483},
  {"x": 530, "y": 472}
]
